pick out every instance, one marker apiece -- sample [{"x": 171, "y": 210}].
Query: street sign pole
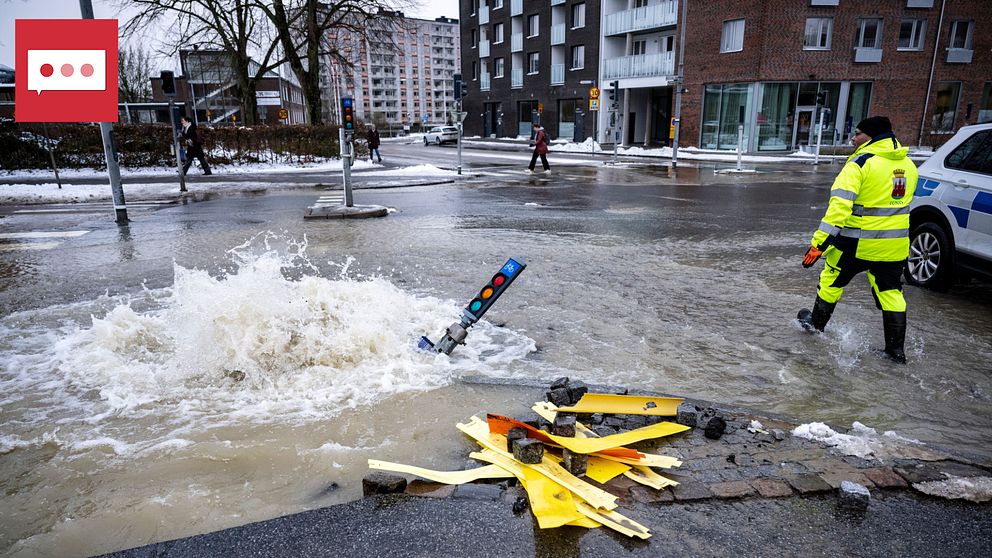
[
  {"x": 175, "y": 145},
  {"x": 109, "y": 149},
  {"x": 461, "y": 118},
  {"x": 346, "y": 161}
]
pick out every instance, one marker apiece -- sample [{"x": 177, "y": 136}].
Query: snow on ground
[{"x": 862, "y": 442}]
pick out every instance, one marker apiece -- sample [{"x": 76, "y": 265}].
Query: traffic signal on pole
[
  {"x": 464, "y": 89},
  {"x": 488, "y": 295},
  {"x": 616, "y": 93},
  {"x": 348, "y": 113},
  {"x": 458, "y": 87},
  {"x": 168, "y": 83}
]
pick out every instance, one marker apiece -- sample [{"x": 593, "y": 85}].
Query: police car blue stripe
[
  {"x": 960, "y": 215},
  {"x": 925, "y": 187},
  {"x": 982, "y": 203}
]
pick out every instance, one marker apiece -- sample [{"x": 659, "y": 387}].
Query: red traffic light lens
[{"x": 498, "y": 279}]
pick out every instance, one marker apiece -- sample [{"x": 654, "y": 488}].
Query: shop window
[
  {"x": 722, "y": 106},
  {"x": 985, "y": 109},
  {"x": 945, "y": 108}
]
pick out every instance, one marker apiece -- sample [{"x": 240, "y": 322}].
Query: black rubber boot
[
  {"x": 895, "y": 335},
  {"x": 818, "y": 318}
]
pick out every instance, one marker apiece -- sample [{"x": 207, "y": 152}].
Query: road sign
[
  {"x": 283, "y": 114},
  {"x": 461, "y": 116},
  {"x": 593, "y": 104},
  {"x": 594, "y": 93}
]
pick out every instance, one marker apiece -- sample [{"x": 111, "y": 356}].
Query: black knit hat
[{"x": 874, "y": 126}]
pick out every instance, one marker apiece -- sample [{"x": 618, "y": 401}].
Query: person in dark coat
[
  {"x": 374, "y": 142},
  {"x": 540, "y": 144},
  {"x": 193, "y": 142}
]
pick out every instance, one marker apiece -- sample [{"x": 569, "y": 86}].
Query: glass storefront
[
  {"x": 857, "y": 107},
  {"x": 566, "y": 118},
  {"x": 724, "y": 107},
  {"x": 775, "y": 119},
  {"x": 985, "y": 111},
  {"x": 946, "y": 108}
]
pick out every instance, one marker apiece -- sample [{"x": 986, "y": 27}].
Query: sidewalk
[{"x": 760, "y": 489}]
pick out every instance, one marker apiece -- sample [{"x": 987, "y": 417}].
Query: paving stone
[
  {"x": 836, "y": 478},
  {"x": 938, "y": 470},
  {"x": 735, "y": 489},
  {"x": 382, "y": 483},
  {"x": 771, "y": 488},
  {"x": 809, "y": 484},
  {"x": 854, "y": 496},
  {"x": 884, "y": 477},
  {"x": 429, "y": 489},
  {"x": 648, "y": 495},
  {"x": 689, "y": 491}
]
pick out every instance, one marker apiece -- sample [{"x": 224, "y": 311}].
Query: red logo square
[{"x": 66, "y": 70}]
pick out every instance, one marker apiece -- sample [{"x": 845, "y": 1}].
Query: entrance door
[{"x": 802, "y": 129}]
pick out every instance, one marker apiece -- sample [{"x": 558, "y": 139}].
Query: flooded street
[{"x": 220, "y": 361}]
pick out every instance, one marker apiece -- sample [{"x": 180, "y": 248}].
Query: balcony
[
  {"x": 483, "y": 15},
  {"x": 959, "y": 55},
  {"x": 641, "y": 65},
  {"x": 517, "y": 78},
  {"x": 517, "y": 42},
  {"x": 556, "y": 2},
  {"x": 919, "y": 3},
  {"x": 824, "y": 2},
  {"x": 516, "y": 7},
  {"x": 557, "y": 74},
  {"x": 483, "y": 49},
  {"x": 867, "y": 55},
  {"x": 484, "y": 82},
  {"x": 640, "y": 19},
  {"x": 558, "y": 34}
]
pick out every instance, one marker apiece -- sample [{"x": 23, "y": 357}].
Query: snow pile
[
  {"x": 863, "y": 441},
  {"x": 974, "y": 489}
]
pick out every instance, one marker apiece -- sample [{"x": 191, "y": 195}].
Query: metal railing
[
  {"x": 483, "y": 49},
  {"x": 641, "y": 65},
  {"x": 517, "y": 78},
  {"x": 558, "y": 34},
  {"x": 639, "y": 19},
  {"x": 484, "y": 82},
  {"x": 517, "y": 42},
  {"x": 483, "y": 15},
  {"x": 516, "y": 7},
  {"x": 557, "y": 74}
]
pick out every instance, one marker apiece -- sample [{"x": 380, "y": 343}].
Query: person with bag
[
  {"x": 193, "y": 142},
  {"x": 540, "y": 145}
]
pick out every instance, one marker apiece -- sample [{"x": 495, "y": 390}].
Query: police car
[{"x": 951, "y": 218}]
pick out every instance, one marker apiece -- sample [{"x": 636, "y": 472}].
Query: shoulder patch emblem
[{"x": 898, "y": 183}]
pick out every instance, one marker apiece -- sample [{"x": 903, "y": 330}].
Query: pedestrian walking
[
  {"x": 374, "y": 141},
  {"x": 540, "y": 144},
  {"x": 193, "y": 140},
  {"x": 866, "y": 228}
]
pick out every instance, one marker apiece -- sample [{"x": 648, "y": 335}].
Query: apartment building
[
  {"x": 404, "y": 80},
  {"x": 771, "y": 65},
  {"x": 527, "y": 61}
]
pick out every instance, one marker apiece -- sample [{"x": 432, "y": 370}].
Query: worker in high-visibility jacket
[{"x": 866, "y": 228}]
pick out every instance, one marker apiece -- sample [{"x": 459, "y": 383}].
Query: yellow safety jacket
[{"x": 869, "y": 202}]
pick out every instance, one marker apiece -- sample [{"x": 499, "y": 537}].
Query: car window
[
  {"x": 435, "y": 130},
  {"x": 974, "y": 154}
]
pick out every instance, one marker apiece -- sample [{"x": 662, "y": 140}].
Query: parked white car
[
  {"x": 441, "y": 134},
  {"x": 951, "y": 218}
]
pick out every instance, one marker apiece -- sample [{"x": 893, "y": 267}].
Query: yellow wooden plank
[
  {"x": 615, "y": 521},
  {"x": 599, "y": 469},
  {"x": 649, "y": 460},
  {"x": 593, "y": 445},
  {"x": 644, "y": 475},
  {"x": 626, "y": 405},
  {"x": 446, "y": 477},
  {"x": 478, "y": 429}
]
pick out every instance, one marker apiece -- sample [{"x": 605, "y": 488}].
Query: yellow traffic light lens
[{"x": 487, "y": 292}]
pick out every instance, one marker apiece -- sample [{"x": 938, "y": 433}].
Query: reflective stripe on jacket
[{"x": 869, "y": 201}]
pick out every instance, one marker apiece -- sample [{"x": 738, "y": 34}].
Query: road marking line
[
  {"x": 31, "y": 246},
  {"x": 43, "y": 234}
]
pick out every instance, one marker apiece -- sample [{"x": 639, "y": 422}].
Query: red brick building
[{"x": 926, "y": 64}]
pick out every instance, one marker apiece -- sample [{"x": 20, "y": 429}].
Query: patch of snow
[
  {"x": 863, "y": 441},
  {"x": 973, "y": 489}
]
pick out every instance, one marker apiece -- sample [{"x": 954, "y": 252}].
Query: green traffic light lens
[{"x": 475, "y": 305}]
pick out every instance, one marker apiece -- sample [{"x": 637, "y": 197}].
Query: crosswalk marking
[
  {"x": 28, "y": 246},
  {"x": 92, "y": 207},
  {"x": 331, "y": 199},
  {"x": 35, "y": 240},
  {"x": 42, "y": 234}
]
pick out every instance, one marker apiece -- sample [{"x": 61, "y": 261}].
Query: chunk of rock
[
  {"x": 853, "y": 496},
  {"x": 686, "y": 418},
  {"x": 564, "y": 425},
  {"x": 715, "y": 428},
  {"x": 575, "y": 391},
  {"x": 382, "y": 483},
  {"x": 559, "y": 397},
  {"x": 515, "y": 433},
  {"x": 575, "y": 463},
  {"x": 528, "y": 450}
]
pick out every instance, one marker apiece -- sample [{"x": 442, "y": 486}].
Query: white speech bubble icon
[{"x": 67, "y": 70}]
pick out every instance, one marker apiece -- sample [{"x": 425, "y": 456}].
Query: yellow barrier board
[
  {"x": 599, "y": 469},
  {"x": 615, "y": 521},
  {"x": 626, "y": 405},
  {"x": 446, "y": 477},
  {"x": 478, "y": 429}
]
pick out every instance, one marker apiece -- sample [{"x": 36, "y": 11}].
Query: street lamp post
[{"x": 679, "y": 85}]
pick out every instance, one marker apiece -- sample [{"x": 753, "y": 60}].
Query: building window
[
  {"x": 638, "y": 48},
  {"x": 498, "y": 68},
  {"x": 578, "y": 57},
  {"x": 578, "y": 15},
  {"x": 961, "y": 34},
  {"x": 533, "y": 25},
  {"x": 640, "y": 3},
  {"x": 722, "y": 106},
  {"x": 818, "y": 32},
  {"x": 869, "y": 33},
  {"x": 733, "y": 36},
  {"x": 985, "y": 109},
  {"x": 532, "y": 63},
  {"x": 945, "y": 109},
  {"x": 497, "y": 4},
  {"x": 498, "y": 33},
  {"x": 474, "y": 38},
  {"x": 911, "y": 33},
  {"x": 475, "y": 70}
]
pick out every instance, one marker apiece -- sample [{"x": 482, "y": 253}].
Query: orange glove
[{"x": 811, "y": 256}]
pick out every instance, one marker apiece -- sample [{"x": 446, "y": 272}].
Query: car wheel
[
  {"x": 931, "y": 258},
  {"x": 425, "y": 141},
  {"x": 437, "y": 140}
]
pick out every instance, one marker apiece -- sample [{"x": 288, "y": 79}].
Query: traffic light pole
[
  {"x": 819, "y": 138},
  {"x": 109, "y": 148},
  {"x": 347, "y": 156},
  {"x": 175, "y": 145}
]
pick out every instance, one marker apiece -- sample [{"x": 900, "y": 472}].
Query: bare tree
[
  {"x": 236, "y": 27},
  {"x": 303, "y": 28},
  {"x": 134, "y": 70}
]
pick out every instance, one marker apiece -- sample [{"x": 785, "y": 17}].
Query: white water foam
[
  {"x": 269, "y": 340},
  {"x": 863, "y": 441}
]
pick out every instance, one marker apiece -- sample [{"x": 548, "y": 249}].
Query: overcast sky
[{"x": 69, "y": 9}]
